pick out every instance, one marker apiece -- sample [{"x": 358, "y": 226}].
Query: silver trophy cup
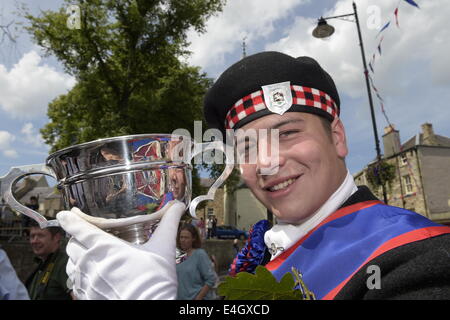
[{"x": 121, "y": 183}]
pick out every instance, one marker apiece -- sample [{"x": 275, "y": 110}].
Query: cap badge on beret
[{"x": 278, "y": 97}]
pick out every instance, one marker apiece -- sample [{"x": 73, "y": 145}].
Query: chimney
[
  {"x": 391, "y": 141},
  {"x": 428, "y": 135}
]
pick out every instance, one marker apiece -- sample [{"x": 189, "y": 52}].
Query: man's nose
[{"x": 268, "y": 159}]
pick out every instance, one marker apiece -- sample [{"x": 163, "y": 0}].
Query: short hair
[
  {"x": 197, "y": 243},
  {"x": 52, "y": 230},
  {"x": 326, "y": 124}
]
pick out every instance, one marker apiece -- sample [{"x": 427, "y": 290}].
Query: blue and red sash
[{"x": 330, "y": 254}]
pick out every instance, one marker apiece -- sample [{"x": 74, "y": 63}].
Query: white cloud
[
  {"x": 11, "y": 153},
  {"x": 6, "y": 139},
  {"x": 28, "y": 87},
  {"x": 253, "y": 19},
  {"x": 31, "y": 137},
  {"x": 412, "y": 74},
  {"x": 408, "y": 53}
]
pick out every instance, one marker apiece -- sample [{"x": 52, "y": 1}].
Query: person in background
[
  {"x": 195, "y": 274},
  {"x": 11, "y": 288},
  {"x": 214, "y": 227},
  {"x": 209, "y": 227},
  {"x": 201, "y": 227},
  {"x": 49, "y": 280},
  {"x": 236, "y": 246},
  {"x": 26, "y": 221}
]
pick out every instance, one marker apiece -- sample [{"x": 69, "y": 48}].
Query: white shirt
[
  {"x": 283, "y": 235},
  {"x": 11, "y": 288}
]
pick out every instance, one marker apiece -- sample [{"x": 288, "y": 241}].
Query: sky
[{"x": 412, "y": 74}]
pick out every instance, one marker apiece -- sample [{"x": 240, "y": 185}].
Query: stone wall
[
  {"x": 435, "y": 168},
  {"x": 406, "y": 165},
  {"x": 215, "y": 206},
  {"x": 223, "y": 251},
  {"x": 21, "y": 256},
  {"x": 249, "y": 209}
]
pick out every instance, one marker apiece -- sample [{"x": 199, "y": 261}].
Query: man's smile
[{"x": 280, "y": 184}]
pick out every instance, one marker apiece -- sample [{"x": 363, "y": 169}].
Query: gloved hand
[{"x": 102, "y": 266}]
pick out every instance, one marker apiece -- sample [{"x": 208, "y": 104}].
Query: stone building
[
  {"x": 49, "y": 198},
  {"x": 240, "y": 208},
  {"x": 214, "y": 207},
  {"x": 422, "y": 173}
]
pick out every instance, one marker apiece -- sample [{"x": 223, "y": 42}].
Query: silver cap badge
[{"x": 278, "y": 97}]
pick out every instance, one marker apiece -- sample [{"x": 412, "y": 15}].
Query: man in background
[{"x": 49, "y": 280}]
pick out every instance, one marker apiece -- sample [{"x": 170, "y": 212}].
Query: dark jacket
[
  {"x": 49, "y": 280},
  {"x": 416, "y": 270}
]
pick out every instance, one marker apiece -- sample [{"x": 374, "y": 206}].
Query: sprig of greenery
[
  {"x": 260, "y": 286},
  {"x": 381, "y": 173}
]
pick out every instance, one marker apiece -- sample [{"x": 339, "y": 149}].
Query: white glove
[{"x": 102, "y": 266}]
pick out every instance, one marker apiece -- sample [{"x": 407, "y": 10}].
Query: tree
[
  {"x": 125, "y": 56},
  {"x": 9, "y": 33},
  {"x": 380, "y": 173}
]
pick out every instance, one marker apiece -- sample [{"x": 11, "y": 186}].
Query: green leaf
[{"x": 259, "y": 286}]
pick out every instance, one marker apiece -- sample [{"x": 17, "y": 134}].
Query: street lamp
[{"x": 324, "y": 30}]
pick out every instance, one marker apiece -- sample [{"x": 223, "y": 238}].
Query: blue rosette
[{"x": 252, "y": 254}]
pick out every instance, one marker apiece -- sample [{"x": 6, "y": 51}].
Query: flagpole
[
  {"x": 324, "y": 30},
  {"x": 372, "y": 113}
]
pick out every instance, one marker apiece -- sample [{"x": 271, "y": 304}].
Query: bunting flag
[
  {"x": 384, "y": 113},
  {"x": 380, "y": 99},
  {"x": 384, "y": 28},
  {"x": 379, "y": 45},
  {"x": 396, "y": 16},
  {"x": 411, "y": 2},
  {"x": 372, "y": 62}
]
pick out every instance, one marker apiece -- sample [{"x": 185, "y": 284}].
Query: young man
[
  {"x": 49, "y": 280},
  {"x": 346, "y": 243}
]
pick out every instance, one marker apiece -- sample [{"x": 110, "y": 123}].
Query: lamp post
[{"x": 324, "y": 30}]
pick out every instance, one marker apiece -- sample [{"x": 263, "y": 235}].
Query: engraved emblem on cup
[{"x": 121, "y": 182}]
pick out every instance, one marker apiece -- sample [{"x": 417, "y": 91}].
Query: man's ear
[
  {"x": 339, "y": 138},
  {"x": 57, "y": 236}
]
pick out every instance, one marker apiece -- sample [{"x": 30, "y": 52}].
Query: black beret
[{"x": 249, "y": 75}]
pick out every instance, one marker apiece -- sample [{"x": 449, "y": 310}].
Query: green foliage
[
  {"x": 126, "y": 60},
  {"x": 260, "y": 286},
  {"x": 381, "y": 173},
  {"x": 215, "y": 170}
]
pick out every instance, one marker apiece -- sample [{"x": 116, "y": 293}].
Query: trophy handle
[
  {"x": 217, "y": 145},
  {"x": 8, "y": 183}
]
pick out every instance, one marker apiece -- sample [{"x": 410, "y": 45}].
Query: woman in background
[{"x": 195, "y": 275}]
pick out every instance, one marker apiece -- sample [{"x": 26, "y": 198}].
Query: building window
[
  {"x": 404, "y": 159},
  {"x": 408, "y": 184},
  {"x": 210, "y": 212}
]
